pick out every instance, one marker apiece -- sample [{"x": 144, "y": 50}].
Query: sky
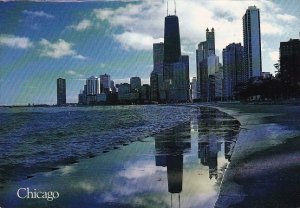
[{"x": 41, "y": 41}]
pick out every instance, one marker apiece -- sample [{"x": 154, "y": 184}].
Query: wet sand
[
  {"x": 182, "y": 166},
  {"x": 265, "y": 166},
  {"x": 257, "y": 147}
]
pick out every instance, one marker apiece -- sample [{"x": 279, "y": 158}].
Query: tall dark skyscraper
[
  {"x": 172, "y": 48},
  {"x": 156, "y": 77},
  {"x": 175, "y": 66},
  {"x": 289, "y": 71},
  {"x": 61, "y": 91},
  {"x": 210, "y": 40},
  {"x": 232, "y": 68},
  {"x": 252, "y": 43},
  {"x": 205, "y": 50}
]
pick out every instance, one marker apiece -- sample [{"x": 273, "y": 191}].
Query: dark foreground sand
[{"x": 265, "y": 166}]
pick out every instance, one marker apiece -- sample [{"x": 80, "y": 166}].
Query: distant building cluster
[
  {"x": 214, "y": 81},
  {"x": 102, "y": 90},
  {"x": 170, "y": 80},
  {"x": 240, "y": 63}
]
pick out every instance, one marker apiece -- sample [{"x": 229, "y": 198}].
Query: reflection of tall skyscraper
[
  {"x": 169, "y": 152},
  {"x": 252, "y": 43},
  {"x": 61, "y": 91},
  {"x": 208, "y": 153},
  {"x": 211, "y": 124},
  {"x": 175, "y": 173}
]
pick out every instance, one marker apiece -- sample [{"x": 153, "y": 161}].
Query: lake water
[{"x": 178, "y": 159}]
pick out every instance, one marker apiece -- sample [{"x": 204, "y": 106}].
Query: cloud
[
  {"x": 222, "y": 14},
  {"x": 38, "y": 14},
  {"x": 59, "y": 49},
  {"x": 83, "y": 25},
  {"x": 286, "y": 17},
  {"x": 74, "y": 73},
  {"x": 274, "y": 55},
  {"x": 146, "y": 18},
  {"x": 81, "y": 57},
  {"x": 15, "y": 42},
  {"x": 137, "y": 41},
  {"x": 270, "y": 29},
  {"x": 71, "y": 72}
]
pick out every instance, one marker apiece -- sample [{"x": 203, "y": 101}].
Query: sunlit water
[{"x": 181, "y": 166}]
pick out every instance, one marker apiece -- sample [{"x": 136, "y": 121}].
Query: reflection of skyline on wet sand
[
  {"x": 215, "y": 128},
  {"x": 181, "y": 166}
]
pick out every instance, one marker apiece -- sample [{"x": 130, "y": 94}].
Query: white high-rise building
[
  {"x": 194, "y": 92},
  {"x": 212, "y": 64},
  {"x": 252, "y": 44},
  {"x": 93, "y": 85}
]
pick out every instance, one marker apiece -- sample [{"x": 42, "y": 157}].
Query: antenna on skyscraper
[
  {"x": 175, "y": 6},
  {"x": 167, "y": 8}
]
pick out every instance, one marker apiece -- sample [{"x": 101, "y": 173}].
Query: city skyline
[{"x": 116, "y": 37}]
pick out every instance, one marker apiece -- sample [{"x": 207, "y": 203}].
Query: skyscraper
[
  {"x": 289, "y": 71},
  {"x": 206, "y": 66},
  {"x": 154, "y": 86},
  {"x": 219, "y": 83},
  {"x": 252, "y": 44},
  {"x": 158, "y": 55},
  {"x": 61, "y": 91},
  {"x": 93, "y": 85},
  {"x": 172, "y": 48},
  {"x": 179, "y": 87},
  {"x": 176, "y": 67},
  {"x": 194, "y": 88},
  {"x": 105, "y": 83},
  {"x": 210, "y": 40},
  {"x": 135, "y": 84},
  {"x": 232, "y": 68},
  {"x": 156, "y": 77}
]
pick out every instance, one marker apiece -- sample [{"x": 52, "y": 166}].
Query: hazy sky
[{"x": 40, "y": 42}]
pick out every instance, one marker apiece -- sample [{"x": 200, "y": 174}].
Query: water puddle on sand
[{"x": 180, "y": 167}]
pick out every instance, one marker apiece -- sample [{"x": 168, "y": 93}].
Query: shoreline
[
  {"x": 268, "y": 134},
  {"x": 161, "y": 156},
  {"x": 266, "y": 158},
  {"x": 117, "y": 142},
  {"x": 295, "y": 102}
]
